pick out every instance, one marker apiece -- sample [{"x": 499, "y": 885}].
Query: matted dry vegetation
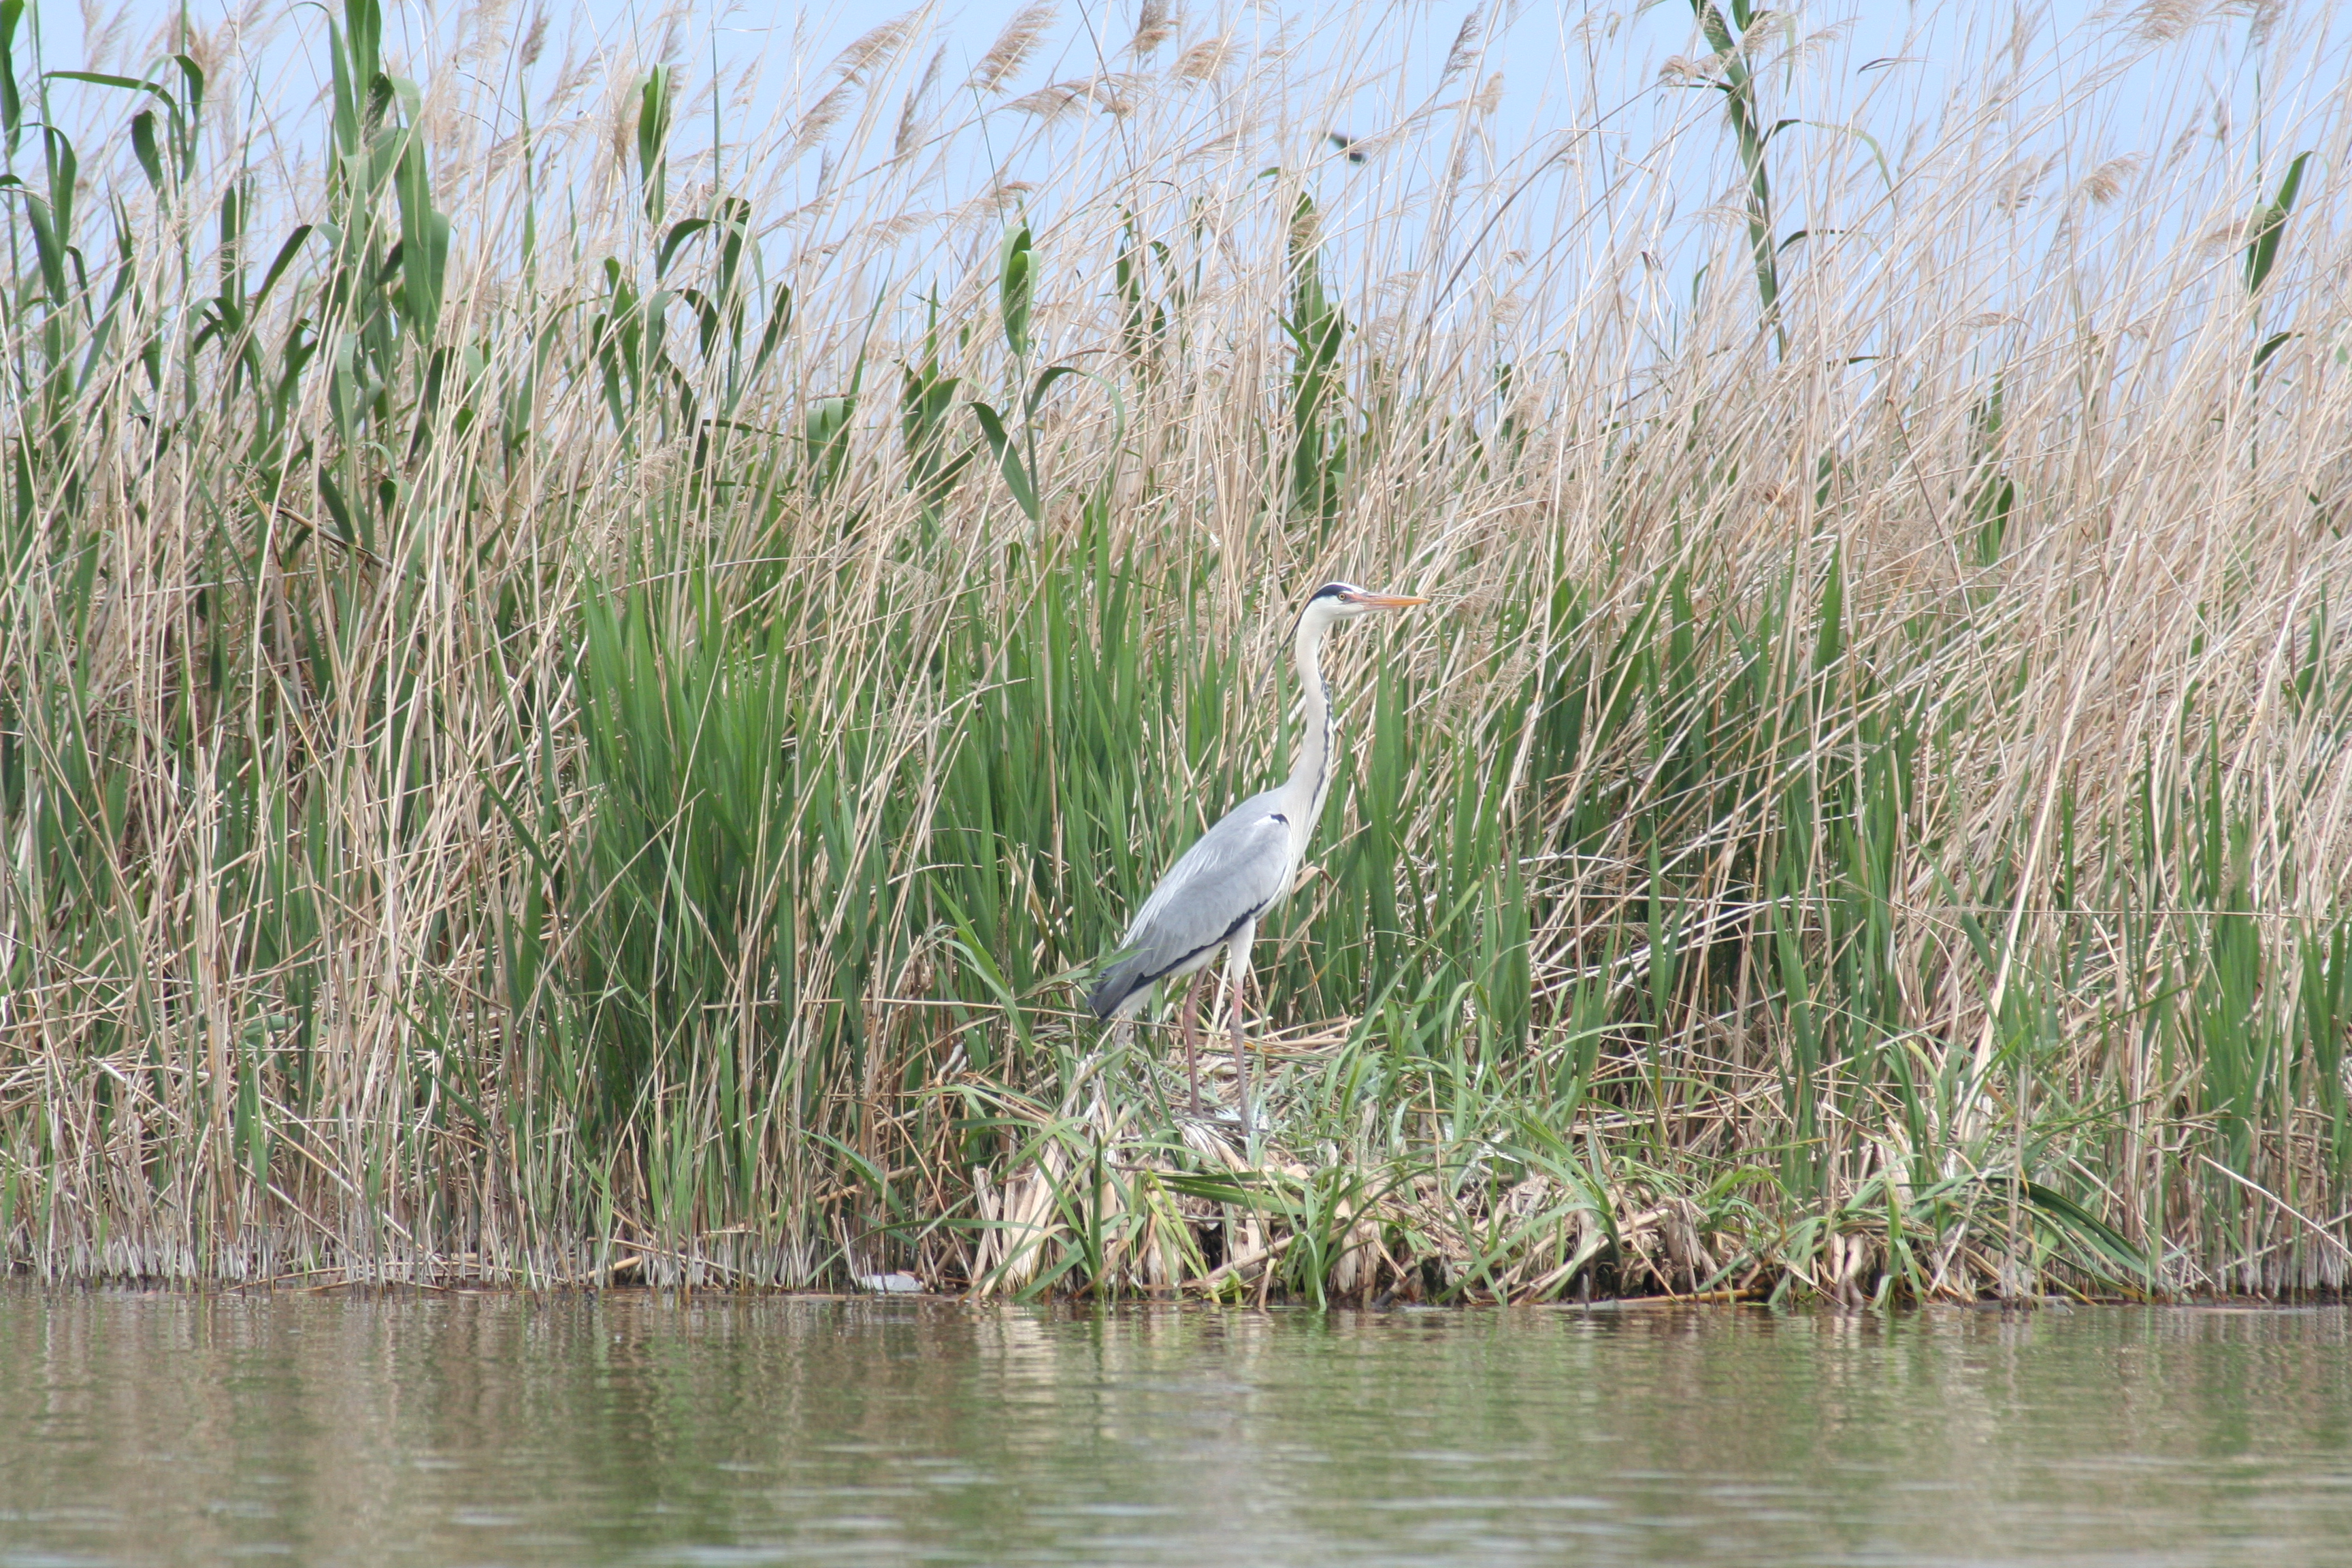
[{"x": 572, "y": 708}]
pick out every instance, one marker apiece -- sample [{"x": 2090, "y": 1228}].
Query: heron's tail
[{"x": 1121, "y": 987}]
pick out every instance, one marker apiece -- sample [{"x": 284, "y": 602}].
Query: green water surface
[{"x": 495, "y": 1428}]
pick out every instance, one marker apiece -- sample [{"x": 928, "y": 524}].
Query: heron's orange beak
[{"x": 1388, "y": 601}]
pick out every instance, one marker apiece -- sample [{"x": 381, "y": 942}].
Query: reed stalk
[{"x": 575, "y": 702}]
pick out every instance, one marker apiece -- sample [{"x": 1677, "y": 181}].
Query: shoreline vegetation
[{"x": 580, "y": 686}]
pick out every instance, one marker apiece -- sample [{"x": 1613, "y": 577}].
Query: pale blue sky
[
  {"x": 1551, "y": 56},
  {"x": 1876, "y": 72}
]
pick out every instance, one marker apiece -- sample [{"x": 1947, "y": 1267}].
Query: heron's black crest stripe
[{"x": 1331, "y": 591}]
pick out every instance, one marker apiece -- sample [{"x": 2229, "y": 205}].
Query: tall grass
[{"x": 574, "y": 701}]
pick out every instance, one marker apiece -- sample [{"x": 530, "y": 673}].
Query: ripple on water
[{"x": 627, "y": 1429}]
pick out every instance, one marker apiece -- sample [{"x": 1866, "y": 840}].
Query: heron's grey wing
[{"x": 1229, "y": 876}]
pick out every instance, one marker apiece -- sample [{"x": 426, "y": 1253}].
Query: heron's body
[{"x": 1214, "y": 897}]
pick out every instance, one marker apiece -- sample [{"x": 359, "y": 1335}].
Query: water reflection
[{"x": 145, "y": 1428}]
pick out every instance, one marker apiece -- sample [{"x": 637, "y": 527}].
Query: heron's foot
[
  {"x": 1217, "y": 1111},
  {"x": 1219, "y": 1135},
  {"x": 1228, "y": 1119}
]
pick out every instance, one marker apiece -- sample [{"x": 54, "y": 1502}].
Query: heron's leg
[
  {"x": 1188, "y": 1025},
  {"x": 1237, "y": 951}
]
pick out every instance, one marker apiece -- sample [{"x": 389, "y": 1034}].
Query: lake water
[{"x": 142, "y": 1429}]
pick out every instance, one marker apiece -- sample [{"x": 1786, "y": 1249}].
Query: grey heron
[{"x": 1215, "y": 895}]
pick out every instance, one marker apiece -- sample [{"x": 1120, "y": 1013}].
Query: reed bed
[{"x": 582, "y": 686}]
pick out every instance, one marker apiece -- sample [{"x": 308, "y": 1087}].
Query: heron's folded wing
[{"x": 1230, "y": 875}]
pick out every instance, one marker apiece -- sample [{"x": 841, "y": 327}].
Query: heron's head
[{"x": 1344, "y": 602}]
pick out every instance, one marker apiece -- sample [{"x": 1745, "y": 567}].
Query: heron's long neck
[{"x": 1310, "y": 774}]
